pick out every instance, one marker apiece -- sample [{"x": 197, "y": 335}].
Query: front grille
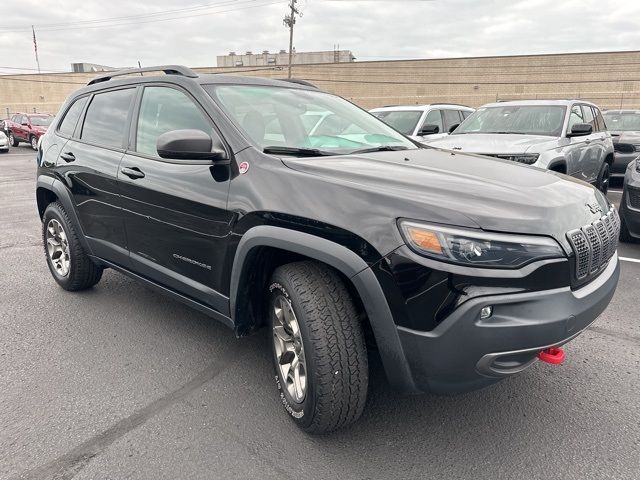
[
  {"x": 634, "y": 197},
  {"x": 594, "y": 244}
]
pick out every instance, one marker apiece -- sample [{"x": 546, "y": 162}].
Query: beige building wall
[{"x": 609, "y": 79}]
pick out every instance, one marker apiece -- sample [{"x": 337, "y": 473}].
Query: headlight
[
  {"x": 527, "y": 159},
  {"x": 480, "y": 249}
]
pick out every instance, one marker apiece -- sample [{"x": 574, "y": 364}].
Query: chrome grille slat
[{"x": 594, "y": 244}]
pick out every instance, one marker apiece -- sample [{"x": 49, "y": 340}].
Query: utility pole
[
  {"x": 290, "y": 21},
  {"x": 35, "y": 47}
]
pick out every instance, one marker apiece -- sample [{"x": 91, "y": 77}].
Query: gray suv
[{"x": 567, "y": 136}]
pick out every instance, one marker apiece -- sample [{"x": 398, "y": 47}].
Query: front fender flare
[{"x": 351, "y": 266}]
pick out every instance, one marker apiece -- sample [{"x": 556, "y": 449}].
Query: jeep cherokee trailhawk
[{"x": 458, "y": 269}]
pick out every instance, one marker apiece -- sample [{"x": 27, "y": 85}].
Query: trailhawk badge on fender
[{"x": 243, "y": 168}]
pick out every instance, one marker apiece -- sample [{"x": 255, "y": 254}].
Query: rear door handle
[
  {"x": 67, "y": 156},
  {"x": 133, "y": 172}
]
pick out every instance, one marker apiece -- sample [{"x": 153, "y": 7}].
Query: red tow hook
[{"x": 553, "y": 355}]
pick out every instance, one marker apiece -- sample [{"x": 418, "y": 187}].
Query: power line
[
  {"x": 91, "y": 27},
  {"x": 109, "y": 19}
]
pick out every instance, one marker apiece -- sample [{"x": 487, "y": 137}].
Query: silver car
[
  {"x": 566, "y": 136},
  {"x": 423, "y": 123}
]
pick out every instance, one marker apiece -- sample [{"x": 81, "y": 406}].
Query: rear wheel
[
  {"x": 603, "y": 178},
  {"x": 69, "y": 264},
  {"x": 12, "y": 140},
  {"x": 319, "y": 353}
]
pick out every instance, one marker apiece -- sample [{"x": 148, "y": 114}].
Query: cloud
[{"x": 371, "y": 29}]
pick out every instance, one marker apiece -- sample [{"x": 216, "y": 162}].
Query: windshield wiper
[
  {"x": 299, "y": 152},
  {"x": 382, "y": 148}
]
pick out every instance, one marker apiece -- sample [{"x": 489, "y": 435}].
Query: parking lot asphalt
[{"x": 121, "y": 382}]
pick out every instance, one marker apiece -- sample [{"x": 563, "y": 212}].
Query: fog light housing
[{"x": 486, "y": 312}]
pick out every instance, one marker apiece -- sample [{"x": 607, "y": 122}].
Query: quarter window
[
  {"x": 70, "y": 120},
  {"x": 164, "y": 109},
  {"x": 106, "y": 119}
]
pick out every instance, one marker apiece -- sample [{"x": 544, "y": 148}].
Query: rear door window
[
  {"x": 587, "y": 115},
  {"x": 451, "y": 117},
  {"x": 602, "y": 126},
  {"x": 434, "y": 117},
  {"x": 106, "y": 120},
  {"x": 70, "y": 120}
]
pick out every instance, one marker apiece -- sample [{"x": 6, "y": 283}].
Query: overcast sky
[{"x": 198, "y": 30}]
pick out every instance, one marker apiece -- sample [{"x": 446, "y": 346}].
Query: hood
[
  {"x": 439, "y": 186},
  {"x": 492, "y": 143}
]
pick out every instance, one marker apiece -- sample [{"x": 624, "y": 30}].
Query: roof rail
[
  {"x": 167, "y": 69},
  {"x": 450, "y": 104},
  {"x": 299, "y": 81}
]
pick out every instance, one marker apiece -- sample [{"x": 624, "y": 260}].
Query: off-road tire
[
  {"x": 13, "y": 140},
  {"x": 604, "y": 178},
  {"x": 334, "y": 347},
  {"x": 83, "y": 273}
]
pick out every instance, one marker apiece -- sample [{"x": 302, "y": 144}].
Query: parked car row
[
  {"x": 571, "y": 137},
  {"x": 24, "y": 127}
]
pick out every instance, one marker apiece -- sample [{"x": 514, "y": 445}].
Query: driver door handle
[
  {"x": 67, "y": 156},
  {"x": 133, "y": 172}
]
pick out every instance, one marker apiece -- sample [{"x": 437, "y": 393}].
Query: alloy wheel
[
  {"x": 58, "y": 247},
  {"x": 289, "y": 349},
  {"x": 34, "y": 143}
]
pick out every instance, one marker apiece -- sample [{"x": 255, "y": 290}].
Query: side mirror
[
  {"x": 580, "y": 130},
  {"x": 189, "y": 145},
  {"x": 453, "y": 127},
  {"x": 25, "y": 124},
  {"x": 429, "y": 130}
]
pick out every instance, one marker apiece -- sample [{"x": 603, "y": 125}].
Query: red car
[{"x": 28, "y": 127}]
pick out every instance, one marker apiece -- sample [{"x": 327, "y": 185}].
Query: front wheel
[
  {"x": 34, "y": 143},
  {"x": 603, "y": 178},
  {"x": 319, "y": 353},
  {"x": 12, "y": 140}
]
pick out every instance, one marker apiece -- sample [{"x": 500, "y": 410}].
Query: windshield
[
  {"x": 302, "y": 119},
  {"x": 404, "y": 121},
  {"x": 519, "y": 119},
  {"x": 41, "y": 121},
  {"x": 622, "y": 121}
]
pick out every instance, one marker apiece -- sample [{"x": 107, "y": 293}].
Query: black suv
[{"x": 458, "y": 269}]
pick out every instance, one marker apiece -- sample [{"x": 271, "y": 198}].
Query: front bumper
[
  {"x": 465, "y": 353},
  {"x": 629, "y": 214}
]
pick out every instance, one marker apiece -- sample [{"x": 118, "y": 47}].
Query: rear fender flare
[{"x": 64, "y": 197}]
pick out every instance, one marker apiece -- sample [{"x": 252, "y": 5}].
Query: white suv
[
  {"x": 424, "y": 123},
  {"x": 567, "y": 136}
]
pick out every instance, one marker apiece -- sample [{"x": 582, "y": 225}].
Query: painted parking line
[{"x": 627, "y": 259}]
